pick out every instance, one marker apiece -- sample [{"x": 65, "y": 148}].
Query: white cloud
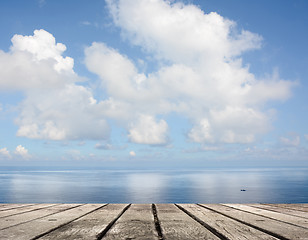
[
  {"x": 306, "y": 136},
  {"x": 36, "y": 62},
  {"x": 103, "y": 146},
  {"x": 132, "y": 154},
  {"x": 146, "y": 130},
  {"x": 42, "y": 45},
  {"x": 292, "y": 140},
  {"x": 201, "y": 75},
  {"x": 69, "y": 113},
  {"x": 238, "y": 124},
  {"x": 179, "y": 32},
  {"x": 22, "y": 151},
  {"x": 201, "y": 132},
  {"x": 5, "y": 153},
  {"x": 86, "y": 23},
  {"x": 55, "y": 107},
  {"x": 119, "y": 73}
]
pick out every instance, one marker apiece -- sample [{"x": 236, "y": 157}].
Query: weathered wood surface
[
  {"x": 4, "y": 207},
  {"x": 22, "y": 218},
  {"x": 176, "y": 224},
  {"x": 273, "y": 227},
  {"x": 273, "y": 215},
  {"x": 287, "y": 211},
  {"x": 153, "y": 221},
  {"x": 88, "y": 227},
  {"x": 223, "y": 225},
  {"x": 19, "y": 210},
  {"x": 136, "y": 223},
  {"x": 299, "y": 207},
  {"x": 43, "y": 225}
]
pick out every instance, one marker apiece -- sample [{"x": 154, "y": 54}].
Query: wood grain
[
  {"x": 281, "y": 210},
  {"x": 15, "y": 211},
  {"x": 176, "y": 224},
  {"x": 89, "y": 226},
  {"x": 299, "y": 207},
  {"x": 4, "y": 207},
  {"x": 153, "y": 221},
  {"x": 270, "y": 214},
  {"x": 136, "y": 223},
  {"x": 10, "y": 221},
  {"x": 229, "y": 228},
  {"x": 41, "y": 226},
  {"x": 274, "y": 227}
]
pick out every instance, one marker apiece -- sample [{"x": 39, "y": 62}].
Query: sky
[{"x": 153, "y": 83}]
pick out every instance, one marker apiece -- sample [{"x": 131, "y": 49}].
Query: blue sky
[{"x": 153, "y": 83}]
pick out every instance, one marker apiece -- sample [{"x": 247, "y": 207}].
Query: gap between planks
[{"x": 163, "y": 226}]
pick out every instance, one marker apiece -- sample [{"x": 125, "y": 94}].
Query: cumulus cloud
[
  {"x": 132, "y": 154},
  {"x": 201, "y": 74},
  {"x": 178, "y": 32},
  {"x": 292, "y": 140},
  {"x": 201, "y": 132},
  {"x": 103, "y": 146},
  {"x": 22, "y": 152},
  {"x": 5, "y": 153},
  {"x": 35, "y": 62},
  {"x": 147, "y": 130},
  {"x": 55, "y": 106},
  {"x": 69, "y": 113},
  {"x": 232, "y": 124},
  {"x": 42, "y": 45}
]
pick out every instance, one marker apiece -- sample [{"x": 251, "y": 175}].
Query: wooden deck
[{"x": 153, "y": 221}]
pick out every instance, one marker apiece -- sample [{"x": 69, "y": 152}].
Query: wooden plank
[
  {"x": 41, "y": 226},
  {"x": 270, "y": 214},
  {"x": 176, "y": 224},
  {"x": 276, "y": 228},
  {"x": 281, "y": 210},
  {"x": 5, "y": 207},
  {"x": 15, "y": 211},
  {"x": 89, "y": 226},
  {"x": 305, "y": 205},
  {"x": 93, "y": 221},
  {"x": 227, "y": 227},
  {"x": 29, "y": 216},
  {"x": 136, "y": 223},
  {"x": 298, "y": 207}
]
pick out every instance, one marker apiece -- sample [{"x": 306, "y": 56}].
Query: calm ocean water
[{"x": 128, "y": 186}]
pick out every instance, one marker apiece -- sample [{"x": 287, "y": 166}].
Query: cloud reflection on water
[
  {"x": 225, "y": 187},
  {"x": 146, "y": 187},
  {"x": 211, "y": 186}
]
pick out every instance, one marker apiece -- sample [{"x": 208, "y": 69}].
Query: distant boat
[{"x": 243, "y": 190}]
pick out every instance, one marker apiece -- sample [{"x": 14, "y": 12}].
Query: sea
[{"x": 257, "y": 185}]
